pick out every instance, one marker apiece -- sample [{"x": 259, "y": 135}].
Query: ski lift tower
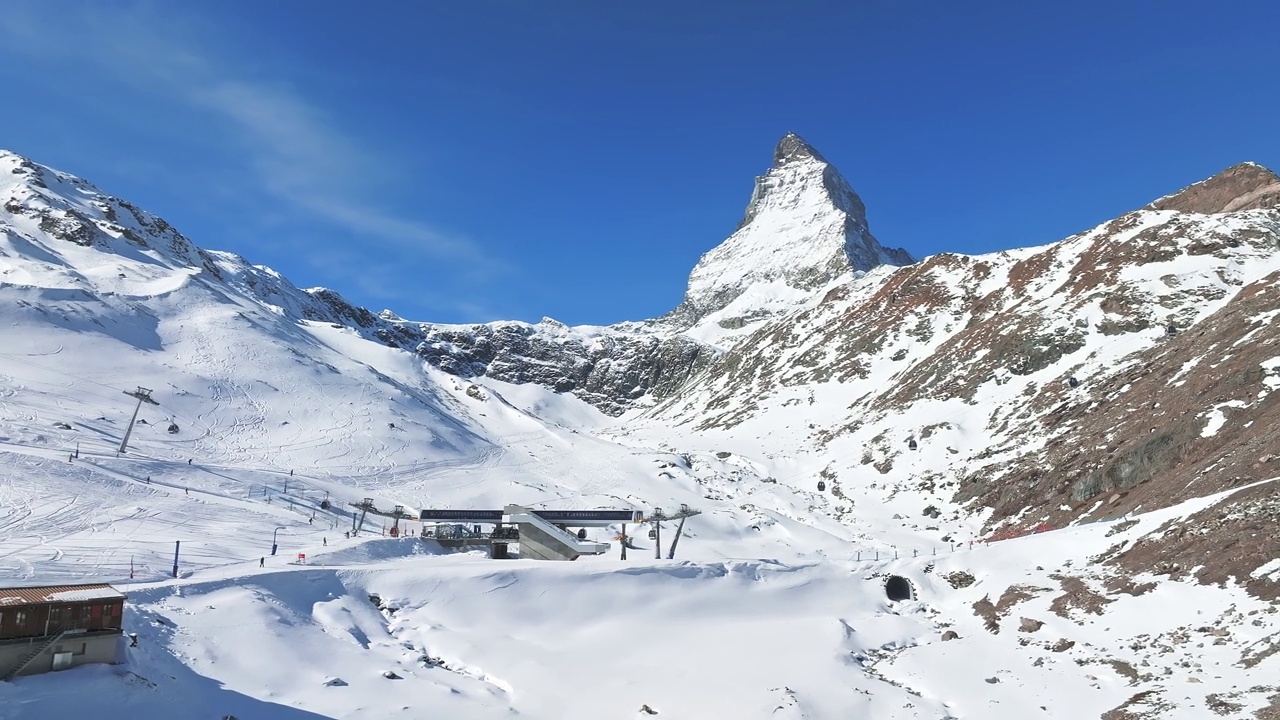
[
  {"x": 396, "y": 514},
  {"x": 364, "y": 506},
  {"x": 685, "y": 513},
  {"x": 144, "y": 396},
  {"x": 656, "y": 532}
]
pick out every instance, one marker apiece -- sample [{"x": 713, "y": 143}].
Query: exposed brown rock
[
  {"x": 1271, "y": 711},
  {"x": 1129, "y": 438},
  {"x": 1125, "y": 669},
  {"x": 1151, "y": 430},
  {"x": 1241, "y": 187},
  {"x": 1221, "y": 705},
  {"x": 1077, "y": 595},
  {"x": 991, "y": 612},
  {"x": 1225, "y": 542},
  {"x": 1145, "y": 705},
  {"x": 1260, "y": 650},
  {"x": 1029, "y": 625},
  {"x": 1016, "y": 594},
  {"x": 986, "y": 610}
]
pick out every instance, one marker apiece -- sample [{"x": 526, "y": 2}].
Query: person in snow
[
  {"x": 326, "y": 540},
  {"x": 189, "y": 461},
  {"x": 262, "y": 562}
]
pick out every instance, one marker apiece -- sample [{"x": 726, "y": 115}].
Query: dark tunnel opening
[{"x": 898, "y": 588}]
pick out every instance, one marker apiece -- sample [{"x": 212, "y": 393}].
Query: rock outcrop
[
  {"x": 1126, "y": 368},
  {"x": 803, "y": 229},
  {"x": 1246, "y": 186}
]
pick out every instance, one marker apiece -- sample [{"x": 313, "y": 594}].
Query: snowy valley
[{"x": 1069, "y": 453}]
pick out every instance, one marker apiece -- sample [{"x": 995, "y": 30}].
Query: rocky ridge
[
  {"x": 1125, "y": 368},
  {"x": 804, "y": 229}
]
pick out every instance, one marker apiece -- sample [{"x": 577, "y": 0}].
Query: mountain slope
[
  {"x": 804, "y": 228},
  {"x": 270, "y": 399},
  {"x": 1129, "y": 367},
  {"x": 1111, "y": 397}
]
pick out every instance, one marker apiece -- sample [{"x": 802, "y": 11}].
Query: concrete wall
[
  {"x": 541, "y": 540},
  {"x": 539, "y": 545},
  {"x": 89, "y": 648}
]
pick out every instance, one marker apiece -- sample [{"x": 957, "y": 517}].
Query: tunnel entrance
[{"x": 899, "y": 588}]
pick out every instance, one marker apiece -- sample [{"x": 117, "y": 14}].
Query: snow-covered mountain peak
[
  {"x": 803, "y": 229},
  {"x": 60, "y": 231},
  {"x": 796, "y": 162},
  {"x": 1247, "y": 186},
  {"x": 794, "y": 147},
  {"x": 40, "y": 202},
  {"x": 1014, "y": 485}
]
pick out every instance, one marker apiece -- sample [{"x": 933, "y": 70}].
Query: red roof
[{"x": 58, "y": 593}]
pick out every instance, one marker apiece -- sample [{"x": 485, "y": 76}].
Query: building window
[
  {"x": 20, "y": 619},
  {"x": 85, "y": 612}
]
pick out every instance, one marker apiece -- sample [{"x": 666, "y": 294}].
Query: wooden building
[{"x": 55, "y": 627}]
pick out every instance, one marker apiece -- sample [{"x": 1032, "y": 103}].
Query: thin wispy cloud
[
  {"x": 381, "y": 283},
  {"x": 292, "y": 149}
]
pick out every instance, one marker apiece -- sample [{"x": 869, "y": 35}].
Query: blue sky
[{"x": 470, "y": 161}]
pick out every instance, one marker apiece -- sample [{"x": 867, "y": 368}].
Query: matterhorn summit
[{"x": 803, "y": 229}]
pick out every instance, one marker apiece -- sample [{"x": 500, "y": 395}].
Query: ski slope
[
  {"x": 776, "y": 609},
  {"x": 776, "y": 606}
]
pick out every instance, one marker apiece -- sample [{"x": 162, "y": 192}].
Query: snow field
[{"x": 776, "y": 607}]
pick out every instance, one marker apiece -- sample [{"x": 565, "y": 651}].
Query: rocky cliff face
[
  {"x": 1127, "y": 368},
  {"x": 610, "y": 368},
  {"x": 1246, "y": 186},
  {"x": 803, "y": 229},
  {"x": 38, "y": 200}
]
